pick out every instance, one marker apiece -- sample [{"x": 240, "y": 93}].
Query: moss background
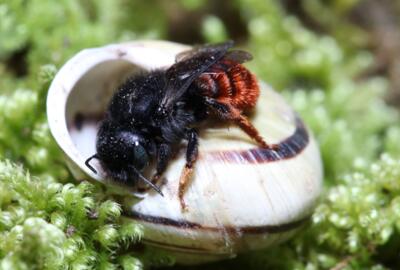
[{"x": 336, "y": 61}]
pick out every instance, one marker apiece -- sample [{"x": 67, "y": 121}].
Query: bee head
[
  {"x": 123, "y": 153},
  {"x": 122, "y": 149}
]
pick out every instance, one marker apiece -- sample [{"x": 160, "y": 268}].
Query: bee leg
[
  {"x": 163, "y": 156},
  {"x": 191, "y": 157},
  {"x": 227, "y": 111},
  {"x": 244, "y": 123}
]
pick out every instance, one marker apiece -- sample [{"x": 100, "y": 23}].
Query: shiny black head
[
  {"x": 123, "y": 154},
  {"x": 122, "y": 149}
]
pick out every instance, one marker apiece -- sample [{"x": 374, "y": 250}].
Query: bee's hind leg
[
  {"x": 225, "y": 110},
  {"x": 191, "y": 157},
  {"x": 244, "y": 123}
]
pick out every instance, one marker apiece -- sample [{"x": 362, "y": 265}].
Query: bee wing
[
  {"x": 197, "y": 50},
  {"x": 230, "y": 60},
  {"x": 189, "y": 66},
  {"x": 238, "y": 56}
]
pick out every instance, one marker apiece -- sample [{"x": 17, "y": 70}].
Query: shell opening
[{"x": 88, "y": 101}]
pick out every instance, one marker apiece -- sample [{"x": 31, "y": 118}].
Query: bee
[{"x": 152, "y": 112}]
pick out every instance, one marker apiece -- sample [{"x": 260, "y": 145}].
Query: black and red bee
[{"x": 152, "y": 112}]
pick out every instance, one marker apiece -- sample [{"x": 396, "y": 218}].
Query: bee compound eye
[{"x": 141, "y": 157}]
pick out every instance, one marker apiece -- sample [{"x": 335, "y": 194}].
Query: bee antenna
[
  {"x": 147, "y": 181},
  {"x": 90, "y": 166}
]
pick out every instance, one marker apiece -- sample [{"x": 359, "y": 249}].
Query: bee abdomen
[{"x": 236, "y": 85}]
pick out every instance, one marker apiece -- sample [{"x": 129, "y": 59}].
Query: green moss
[
  {"x": 47, "y": 221},
  {"x": 47, "y": 225}
]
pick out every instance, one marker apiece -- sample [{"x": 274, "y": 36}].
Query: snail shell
[{"x": 240, "y": 198}]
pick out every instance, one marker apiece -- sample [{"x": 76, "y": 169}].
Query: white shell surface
[{"x": 239, "y": 198}]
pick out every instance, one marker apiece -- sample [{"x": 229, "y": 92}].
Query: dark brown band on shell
[
  {"x": 183, "y": 224},
  {"x": 286, "y": 149}
]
